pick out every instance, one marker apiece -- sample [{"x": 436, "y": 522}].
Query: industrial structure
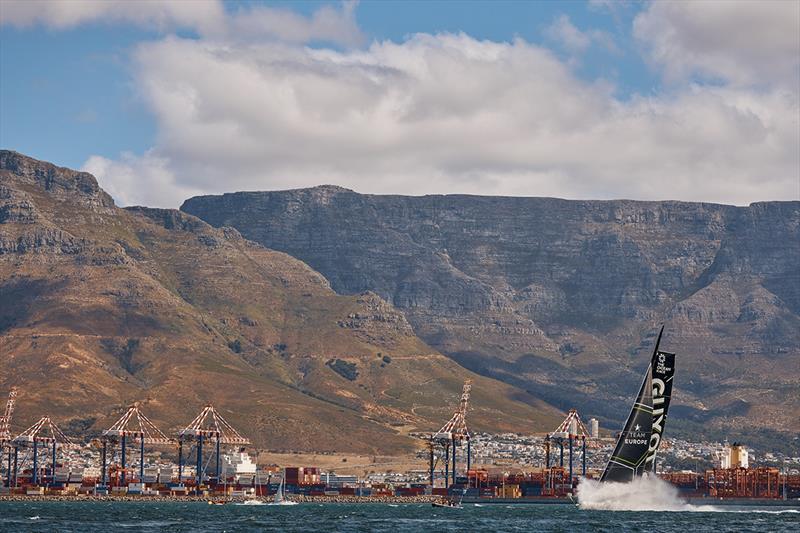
[
  {"x": 208, "y": 425},
  {"x": 733, "y": 456},
  {"x": 24, "y": 452},
  {"x": 5, "y": 421},
  {"x": 43, "y": 435},
  {"x": 5, "y": 431},
  {"x": 454, "y": 433},
  {"x": 570, "y": 431},
  {"x": 33, "y": 467},
  {"x": 594, "y": 428},
  {"x": 132, "y": 427}
]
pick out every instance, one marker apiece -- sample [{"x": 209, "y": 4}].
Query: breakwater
[{"x": 267, "y": 499}]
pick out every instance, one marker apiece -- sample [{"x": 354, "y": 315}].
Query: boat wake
[
  {"x": 645, "y": 493},
  {"x": 649, "y": 493}
]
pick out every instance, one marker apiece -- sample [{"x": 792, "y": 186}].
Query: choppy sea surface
[{"x": 198, "y": 516}]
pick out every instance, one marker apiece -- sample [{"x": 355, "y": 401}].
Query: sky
[{"x": 164, "y": 100}]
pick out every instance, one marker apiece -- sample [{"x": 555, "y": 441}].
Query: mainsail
[{"x": 638, "y": 443}]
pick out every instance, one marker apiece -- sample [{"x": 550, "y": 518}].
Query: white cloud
[
  {"x": 161, "y": 15},
  {"x": 742, "y": 42},
  {"x": 143, "y": 180},
  {"x": 208, "y": 18},
  {"x": 326, "y": 24},
  {"x": 245, "y": 106},
  {"x": 446, "y": 114},
  {"x": 575, "y": 41},
  {"x": 565, "y": 33}
]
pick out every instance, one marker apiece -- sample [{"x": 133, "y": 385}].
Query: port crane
[
  {"x": 209, "y": 424},
  {"x": 43, "y": 434},
  {"x": 453, "y": 433},
  {"x": 133, "y": 425},
  {"x": 570, "y": 430},
  {"x": 5, "y": 430},
  {"x": 5, "y": 421}
]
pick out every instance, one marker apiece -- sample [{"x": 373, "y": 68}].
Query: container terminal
[{"x": 209, "y": 458}]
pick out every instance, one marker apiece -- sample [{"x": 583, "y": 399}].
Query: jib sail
[
  {"x": 637, "y": 443},
  {"x": 629, "y": 455}
]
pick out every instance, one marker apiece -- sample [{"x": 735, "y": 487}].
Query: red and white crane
[
  {"x": 131, "y": 426},
  {"x": 453, "y": 433},
  {"x": 46, "y": 436},
  {"x": 209, "y": 424},
  {"x": 571, "y": 430},
  {"x": 5, "y": 421},
  {"x": 572, "y": 425}
]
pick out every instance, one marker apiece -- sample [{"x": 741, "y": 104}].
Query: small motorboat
[
  {"x": 451, "y": 503},
  {"x": 447, "y": 504},
  {"x": 217, "y": 502}
]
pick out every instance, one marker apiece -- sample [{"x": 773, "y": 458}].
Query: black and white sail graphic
[
  {"x": 662, "y": 372},
  {"x": 640, "y": 438}
]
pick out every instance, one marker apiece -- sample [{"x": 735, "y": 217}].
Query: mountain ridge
[
  {"x": 551, "y": 294},
  {"x": 330, "y": 187}
]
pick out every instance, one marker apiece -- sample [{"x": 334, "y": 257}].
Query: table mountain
[
  {"x": 563, "y": 298},
  {"x": 102, "y": 306}
]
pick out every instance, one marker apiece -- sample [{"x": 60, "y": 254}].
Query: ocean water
[{"x": 198, "y": 516}]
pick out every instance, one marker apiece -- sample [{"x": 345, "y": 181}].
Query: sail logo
[
  {"x": 636, "y": 437},
  {"x": 661, "y": 367},
  {"x": 662, "y": 389},
  {"x": 658, "y": 419}
]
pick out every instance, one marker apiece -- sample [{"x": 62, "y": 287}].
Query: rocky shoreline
[{"x": 294, "y": 497}]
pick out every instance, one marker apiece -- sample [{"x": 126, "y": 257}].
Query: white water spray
[{"x": 647, "y": 493}]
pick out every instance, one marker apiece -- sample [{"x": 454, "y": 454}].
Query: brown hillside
[{"x": 102, "y": 306}]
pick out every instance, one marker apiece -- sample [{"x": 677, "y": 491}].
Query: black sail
[
  {"x": 629, "y": 455},
  {"x": 663, "y": 370},
  {"x": 633, "y": 444}
]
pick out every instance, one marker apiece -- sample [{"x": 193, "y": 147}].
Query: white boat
[
  {"x": 252, "y": 502},
  {"x": 279, "y": 499}
]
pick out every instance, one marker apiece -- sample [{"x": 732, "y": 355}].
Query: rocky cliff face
[
  {"x": 101, "y": 307},
  {"x": 563, "y": 297}
]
